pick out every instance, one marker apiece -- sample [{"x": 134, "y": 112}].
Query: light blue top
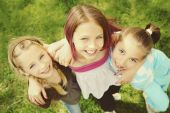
[{"x": 153, "y": 78}]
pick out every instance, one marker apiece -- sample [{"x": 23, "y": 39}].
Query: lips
[
  {"x": 46, "y": 70},
  {"x": 90, "y": 52},
  {"x": 120, "y": 68}
]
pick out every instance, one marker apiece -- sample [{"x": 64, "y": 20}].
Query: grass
[{"x": 45, "y": 18}]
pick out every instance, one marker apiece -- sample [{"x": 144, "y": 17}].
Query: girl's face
[
  {"x": 128, "y": 54},
  {"x": 35, "y": 61},
  {"x": 88, "y": 39}
]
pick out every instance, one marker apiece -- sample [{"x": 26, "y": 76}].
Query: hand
[
  {"x": 126, "y": 76},
  {"x": 64, "y": 56},
  {"x": 125, "y": 79},
  {"x": 60, "y": 51},
  {"x": 34, "y": 92}
]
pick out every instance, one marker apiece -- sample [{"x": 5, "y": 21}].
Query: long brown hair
[
  {"x": 146, "y": 37},
  {"x": 84, "y": 13}
]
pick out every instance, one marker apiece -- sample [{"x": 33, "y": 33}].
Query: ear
[
  {"x": 45, "y": 46},
  {"x": 23, "y": 72}
]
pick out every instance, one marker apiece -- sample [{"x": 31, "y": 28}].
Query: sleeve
[
  {"x": 161, "y": 69},
  {"x": 156, "y": 97},
  {"x": 73, "y": 90}
]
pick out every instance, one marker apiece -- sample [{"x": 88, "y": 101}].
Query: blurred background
[{"x": 46, "y": 18}]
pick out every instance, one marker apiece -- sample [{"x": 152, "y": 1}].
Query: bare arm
[
  {"x": 61, "y": 52},
  {"x": 54, "y": 47},
  {"x": 35, "y": 89}
]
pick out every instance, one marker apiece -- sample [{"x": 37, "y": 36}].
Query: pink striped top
[{"x": 91, "y": 66}]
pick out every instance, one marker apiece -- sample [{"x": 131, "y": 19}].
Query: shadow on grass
[{"x": 126, "y": 107}]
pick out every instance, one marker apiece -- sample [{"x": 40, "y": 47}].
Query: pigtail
[
  {"x": 58, "y": 87},
  {"x": 113, "y": 27},
  {"x": 115, "y": 31},
  {"x": 115, "y": 38},
  {"x": 154, "y": 32}
]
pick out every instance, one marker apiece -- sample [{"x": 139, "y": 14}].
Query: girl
[
  {"x": 88, "y": 34},
  {"x": 147, "y": 69},
  {"x": 27, "y": 56}
]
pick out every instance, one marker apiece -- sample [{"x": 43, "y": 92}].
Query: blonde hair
[{"x": 18, "y": 69}]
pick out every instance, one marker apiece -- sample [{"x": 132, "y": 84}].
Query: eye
[
  {"x": 32, "y": 65},
  {"x": 99, "y": 37},
  {"x": 84, "y": 38},
  {"x": 122, "y": 51},
  {"x": 133, "y": 60},
  {"x": 41, "y": 56}
]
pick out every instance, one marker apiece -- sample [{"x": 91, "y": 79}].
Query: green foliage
[{"x": 45, "y": 18}]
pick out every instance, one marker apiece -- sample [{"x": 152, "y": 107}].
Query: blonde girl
[{"x": 28, "y": 57}]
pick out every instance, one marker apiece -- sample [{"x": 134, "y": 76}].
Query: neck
[
  {"x": 55, "y": 78},
  {"x": 83, "y": 61}
]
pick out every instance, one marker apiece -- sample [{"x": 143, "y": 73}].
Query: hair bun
[{"x": 149, "y": 31}]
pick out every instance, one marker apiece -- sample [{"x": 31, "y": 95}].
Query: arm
[
  {"x": 52, "y": 48},
  {"x": 61, "y": 52},
  {"x": 34, "y": 92},
  {"x": 155, "y": 97}
]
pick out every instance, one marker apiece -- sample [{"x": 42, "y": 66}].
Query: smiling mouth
[
  {"x": 91, "y": 52},
  {"x": 46, "y": 70}
]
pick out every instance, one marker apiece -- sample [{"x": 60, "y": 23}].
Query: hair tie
[{"x": 149, "y": 31}]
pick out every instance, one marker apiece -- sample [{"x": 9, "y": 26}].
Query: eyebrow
[{"x": 100, "y": 34}]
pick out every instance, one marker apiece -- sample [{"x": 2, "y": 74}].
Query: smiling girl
[{"x": 28, "y": 57}]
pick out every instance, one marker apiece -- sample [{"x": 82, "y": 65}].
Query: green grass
[{"x": 45, "y": 18}]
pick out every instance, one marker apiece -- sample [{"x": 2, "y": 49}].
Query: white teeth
[
  {"x": 91, "y": 51},
  {"x": 47, "y": 69}
]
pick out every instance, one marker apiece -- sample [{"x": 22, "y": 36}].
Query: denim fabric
[{"x": 72, "y": 108}]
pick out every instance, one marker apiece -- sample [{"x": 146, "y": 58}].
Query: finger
[
  {"x": 45, "y": 46},
  {"x": 71, "y": 61},
  {"x": 56, "y": 56},
  {"x": 60, "y": 60},
  {"x": 66, "y": 63},
  {"x": 32, "y": 100},
  {"x": 40, "y": 100},
  {"x": 118, "y": 82},
  {"x": 44, "y": 94}
]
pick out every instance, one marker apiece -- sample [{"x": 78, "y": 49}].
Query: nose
[
  {"x": 42, "y": 65},
  {"x": 122, "y": 63},
  {"x": 92, "y": 44}
]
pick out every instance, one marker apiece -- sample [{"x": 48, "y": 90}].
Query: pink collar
[{"x": 91, "y": 66}]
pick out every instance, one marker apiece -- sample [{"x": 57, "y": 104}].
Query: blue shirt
[{"x": 153, "y": 78}]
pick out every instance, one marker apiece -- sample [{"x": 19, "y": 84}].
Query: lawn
[{"x": 45, "y": 18}]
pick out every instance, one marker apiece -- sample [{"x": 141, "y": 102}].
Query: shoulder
[{"x": 159, "y": 56}]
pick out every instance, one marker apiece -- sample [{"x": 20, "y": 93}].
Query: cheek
[
  {"x": 31, "y": 72},
  {"x": 115, "y": 54},
  {"x": 101, "y": 43},
  {"x": 133, "y": 65},
  {"x": 79, "y": 46}
]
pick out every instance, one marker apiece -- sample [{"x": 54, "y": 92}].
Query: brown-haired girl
[{"x": 148, "y": 68}]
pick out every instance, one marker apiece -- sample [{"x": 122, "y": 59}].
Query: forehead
[
  {"x": 132, "y": 47},
  {"x": 27, "y": 54},
  {"x": 88, "y": 28}
]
